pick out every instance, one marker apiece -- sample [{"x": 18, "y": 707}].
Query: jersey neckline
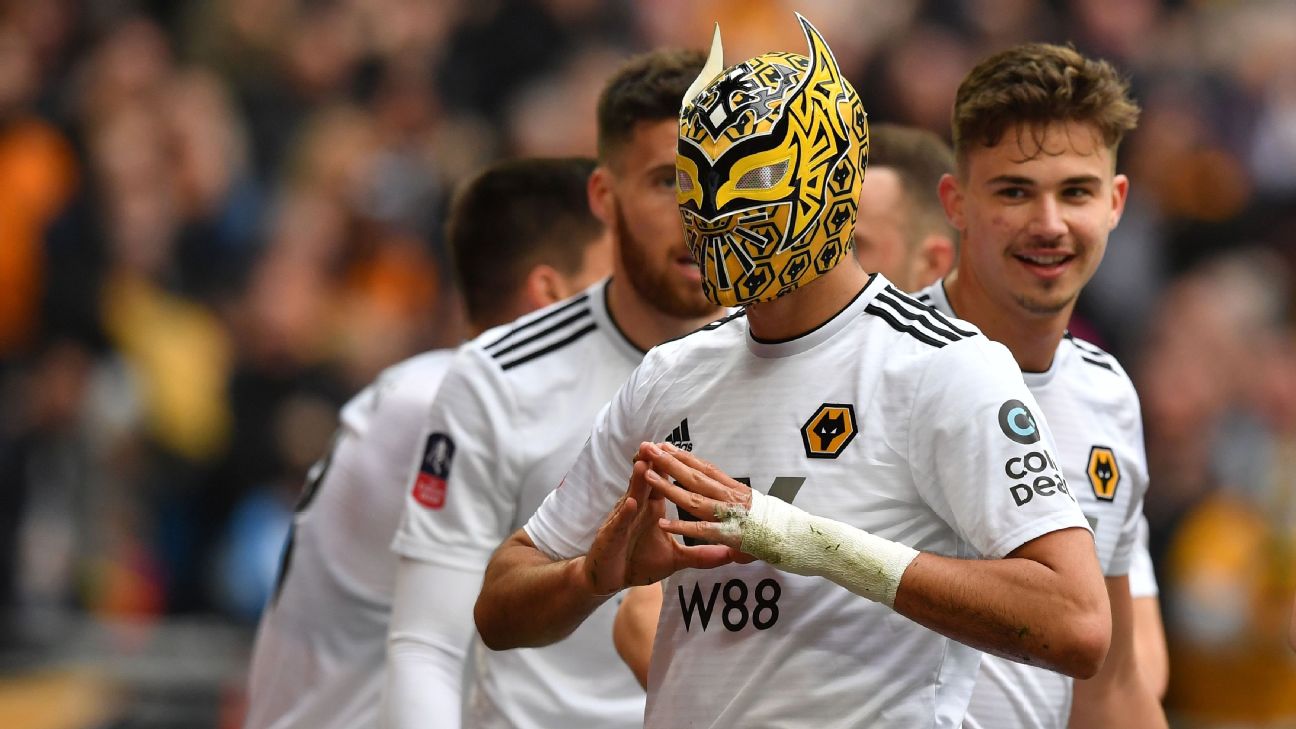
[
  {"x": 771, "y": 348},
  {"x": 940, "y": 300},
  {"x": 603, "y": 316}
]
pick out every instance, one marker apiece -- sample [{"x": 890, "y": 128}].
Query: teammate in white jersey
[
  {"x": 1035, "y": 195},
  {"x": 522, "y": 236},
  {"x": 515, "y": 408},
  {"x": 901, "y": 232},
  {"x": 865, "y": 428}
]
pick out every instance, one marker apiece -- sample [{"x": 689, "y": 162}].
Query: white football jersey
[
  {"x": 1142, "y": 575},
  {"x": 318, "y": 661},
  {"x": 511, "y": 415},
  {"x": 1093, "y": 412},
  {"x": 889, "y": 417}
]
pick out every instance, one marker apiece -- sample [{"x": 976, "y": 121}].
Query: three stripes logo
[
  {"x": 543, "y": 333},
  {"x": 918, "y": 320},
  {"x": 680, "y": 437}
]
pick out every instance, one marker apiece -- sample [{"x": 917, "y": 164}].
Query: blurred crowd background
[{"x": 221, "y": 218}]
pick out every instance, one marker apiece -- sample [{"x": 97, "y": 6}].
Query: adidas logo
[{"x": 680, "y": 437}]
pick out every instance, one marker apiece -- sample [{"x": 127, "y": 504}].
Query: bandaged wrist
[{"x": 804, "y": 544}]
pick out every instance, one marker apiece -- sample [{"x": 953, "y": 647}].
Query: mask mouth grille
[{"x": 762, "y": 178}]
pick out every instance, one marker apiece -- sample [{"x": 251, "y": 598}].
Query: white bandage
[{"x": 804, "y": 544}]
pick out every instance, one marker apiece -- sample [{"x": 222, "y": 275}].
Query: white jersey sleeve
[
  {"x": 426, "y": 649},
  {"x": 1135, "y": 463},
  {"x": 460, "y": 502},
  {"x": 564, "y": 525},
  {"x": 1142, "y": 576},
  {"x": 986, "y": 462}
]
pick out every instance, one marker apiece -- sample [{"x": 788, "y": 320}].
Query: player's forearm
[
  {"x": 635, "y": 628},
  {"x": 1016, "y": 608},
  {"x": 528, "y": 600},
  {"x": 1119, "y": 696},
  {"x": 1128, "y": 705},
  {"x": 1150, "y": 645},
  {"x": 1045, "y": 606}
]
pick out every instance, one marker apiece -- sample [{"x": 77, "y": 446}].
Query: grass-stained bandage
[{"x": 804, "y": 544}]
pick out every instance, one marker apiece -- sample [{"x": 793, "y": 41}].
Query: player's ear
[
  {"x": 600, "y": 193},
  {"x": 951, "y": 197},
  {"x": 1120, "y": 193},
  {"x": 543, "y": 286},
  {"x": 935, "y": 260}
]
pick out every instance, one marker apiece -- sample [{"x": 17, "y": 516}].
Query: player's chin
[
  {"x": 1045, "y": 304},
  {"x": 688, "y": 301}
]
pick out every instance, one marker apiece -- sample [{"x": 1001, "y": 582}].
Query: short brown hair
[
  {"x": 512, "y": 216},
  {"x": 649, "y": 87},
  {"x": 919, "y": 158},
  {"x": 1035, "y": 84}
]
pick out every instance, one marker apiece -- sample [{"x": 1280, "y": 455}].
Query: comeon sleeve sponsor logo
[
  {"x": 1036, "y": 474},
  {"x": 1016, "y": 422}
]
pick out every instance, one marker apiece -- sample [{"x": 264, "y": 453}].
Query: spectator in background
[
  {"x": 1229, "y": 511},
  {"x": 40, "y": 174}
]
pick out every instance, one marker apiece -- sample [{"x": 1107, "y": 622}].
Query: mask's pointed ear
[
  {"x": 712, "y": 68},
  {"x": 822, "y": 60}
]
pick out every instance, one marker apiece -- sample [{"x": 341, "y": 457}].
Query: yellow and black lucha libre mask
[{"x": 771, "y": 156}]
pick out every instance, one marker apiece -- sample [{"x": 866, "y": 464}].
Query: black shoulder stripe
[
  {"x": 568, "y": 321},
  {"x": 1091, "y": 354},
  {"x": 924, "y": 297},
  {"x": 919, "y": 316},
  {"x": 1098, "y": 363},
  {"x": 1085, "y": 347},
  {"x": 890, "y": 318},
  {"x": 537, "y": 321},
  {"x": 551, "y": 348},
  {"x": 925, "y": 302}
]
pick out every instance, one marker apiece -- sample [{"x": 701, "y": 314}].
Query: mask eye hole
[
  {"x": 684, "y": 181},
  {"x": 762, "y": 178}
]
